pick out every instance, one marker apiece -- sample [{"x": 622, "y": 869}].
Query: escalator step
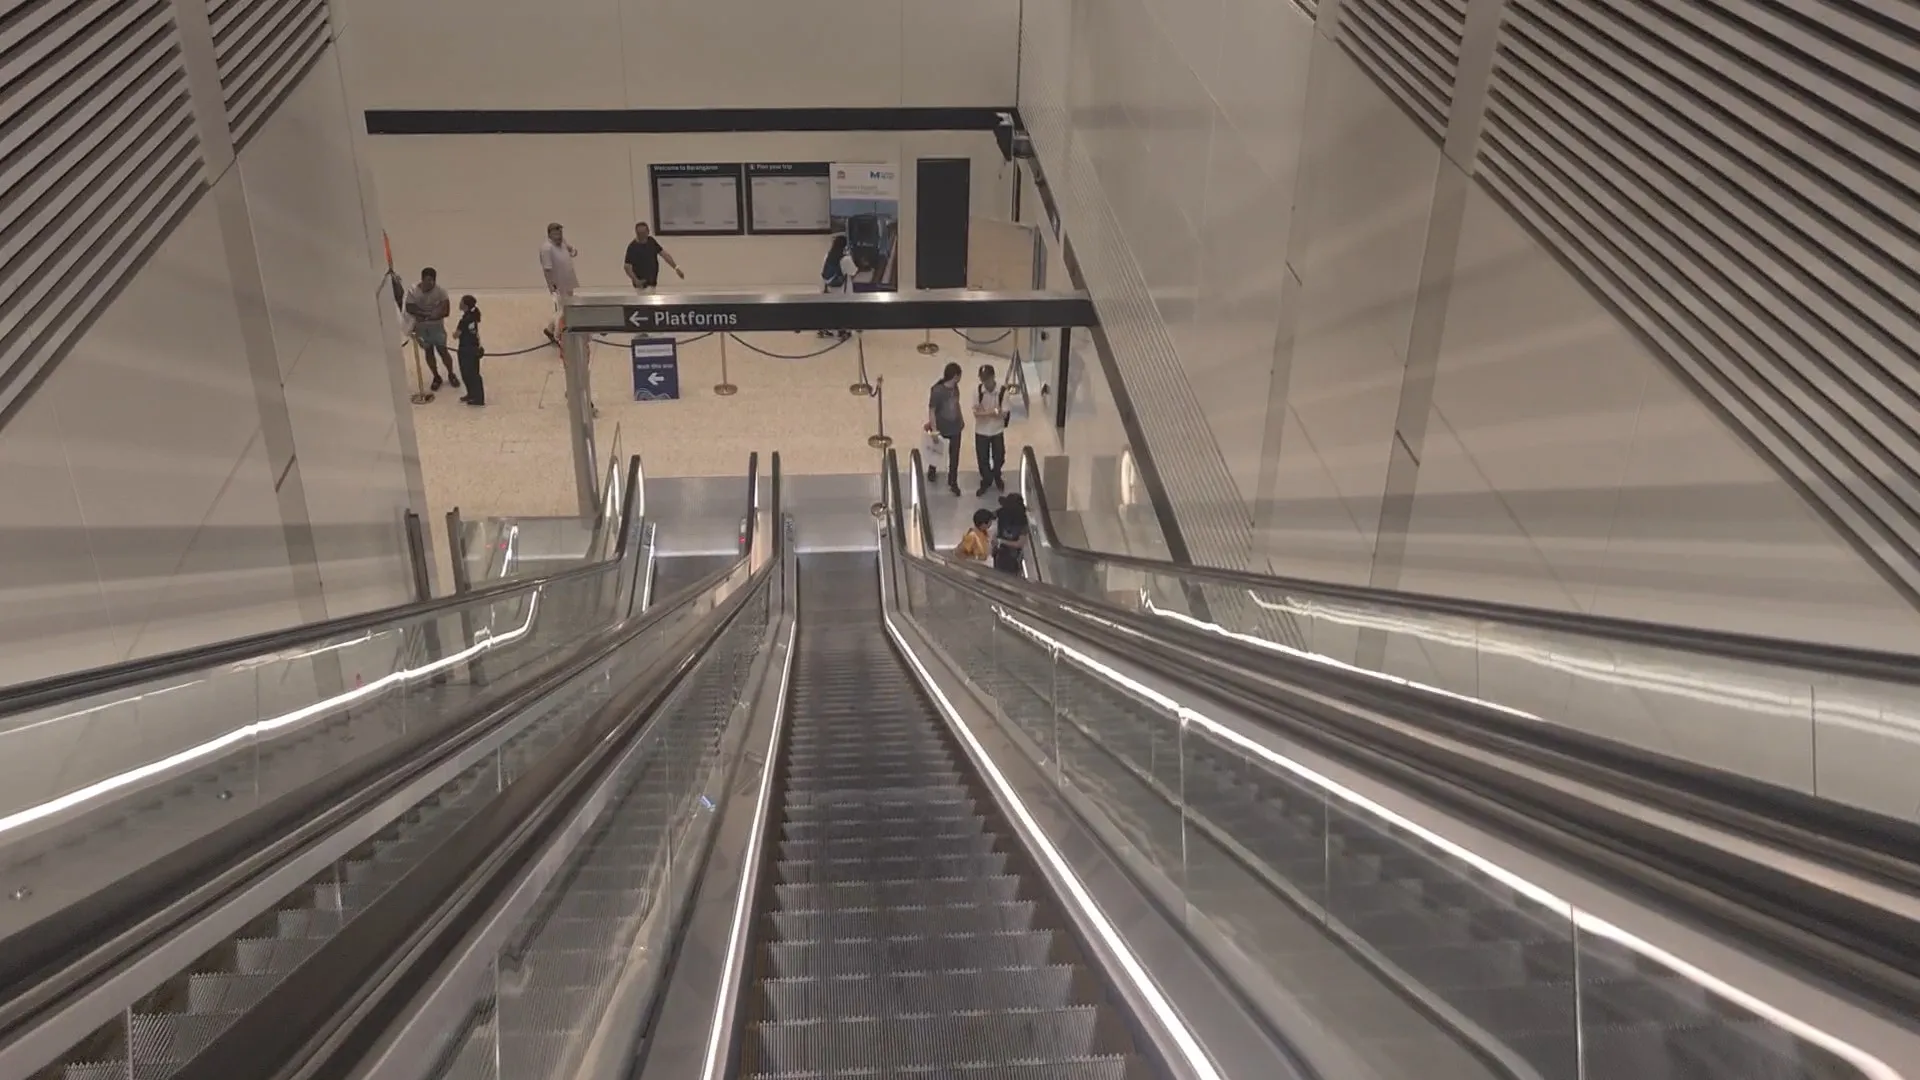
[
  {"x": 925, "y": 1041},
  {"x": 927, "y": 994},
  {"x": 811, "y": 959},
  {"x": 876, "y": 924},
  {"x": 907, "y": 892}
]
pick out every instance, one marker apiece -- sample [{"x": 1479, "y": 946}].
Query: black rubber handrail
[
  {"x": 325, "y": 1017},
  {"x": 1829, "y": 935},
  {"x": 42, "y": 965},
  {"x": 1839, "y": 660},
  {"x": 43, "y": 693}
]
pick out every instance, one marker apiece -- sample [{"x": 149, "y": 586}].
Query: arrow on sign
[
  {"x": 636, "y": 319},
  {"x": 656, "y": 379}
]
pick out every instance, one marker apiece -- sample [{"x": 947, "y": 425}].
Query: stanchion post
[
  {"x": 861, "y": 388},
  {"x": 928, "y": 346},
  {"x": 421, "y": 395},
  {"x": 880, "y": 440},
  {"x": 725, "y": 387}
]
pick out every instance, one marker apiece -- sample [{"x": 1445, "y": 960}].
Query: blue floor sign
[{"x": 656, "y": 369}]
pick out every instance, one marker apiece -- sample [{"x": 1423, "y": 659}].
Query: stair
[{"x": 903, "y": 933}]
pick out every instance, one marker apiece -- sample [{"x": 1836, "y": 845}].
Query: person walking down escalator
[
  {"x": 1010, "y": 532},
  {"x": 944, "y": 416},
  {"x": 467, "y": 345}
]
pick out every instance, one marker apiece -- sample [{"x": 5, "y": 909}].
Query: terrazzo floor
[{"x": 511, "y": 458}]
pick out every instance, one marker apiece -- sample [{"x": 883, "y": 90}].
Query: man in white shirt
[
  {"x": 556, "y": 265},
  {"x": 990, "y": 431}
]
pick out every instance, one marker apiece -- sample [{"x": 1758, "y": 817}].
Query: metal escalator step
[
  {"x": 920, "y": 994},
  {"x": 1112, "y": 1067},
  {"x": 1052, "y": 1035},
  {"x": 227, "y": 993},
  {"x": 904, "y": 892},
  {"x": 308, "y": 923},
  {"x": 900, "y": 825},
  {"x": 118, "y": 1070},
  {"x": 273, "y": 956},
  {"x": 973, "y": 952},
  {"x": 879, "y": 802},
  {"x": 600, "y": 904},
  {"x": 158, "y": 1037},
  {"x": 864, "y": 924},
  {"x": 887, "y": 847},
  {"x": 910, "y": 866}
]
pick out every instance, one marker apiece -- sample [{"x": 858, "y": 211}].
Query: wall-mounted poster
[
  {"x": 789, "y": 198},
  {"x": 696, "y": 200},
  {"x": 864, "y": 201}
]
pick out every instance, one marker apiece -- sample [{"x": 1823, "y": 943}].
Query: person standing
[
  {"x": 644, "y": 255},
  {"x": 990, "y": 431},
  {"x": 467, "y": 344},
  {"x": 945, "y": 417},
  {"x": 427, "y": 305},
  {"x": 836, "y": 276},
  {"x": 977, "y": 544},
  {"x": 1010, "y": 533},
  {"x": 556, "y": 266}
]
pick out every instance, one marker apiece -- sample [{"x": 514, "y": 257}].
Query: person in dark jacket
[
  {"x": 468, "y": 347},
  {"x": 945, "y": 416},
  {"x": 1010, "y": 533}
]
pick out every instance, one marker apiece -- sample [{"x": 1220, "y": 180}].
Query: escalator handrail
[
  {"x": 62, "y": 952},
  {"x": 1825, "y": 659},
  {"x": 75, "y": 686},
  {"x": 1849, "y": 838},
  {"x": 316, "y": 1010},
  {"x": 1815, "y": 928}
]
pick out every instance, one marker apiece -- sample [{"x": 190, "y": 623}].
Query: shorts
[{"x": 432, "y": 337}]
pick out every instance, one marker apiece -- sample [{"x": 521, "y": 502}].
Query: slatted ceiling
[
  {"x": 99, "y": 156},
  {"x": 1740, "y": 180},
  {"x": 1412, "y": 48},
  {"x": 262, "y": 47}
]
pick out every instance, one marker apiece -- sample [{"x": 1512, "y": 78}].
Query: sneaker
[
  {"x": 436, "y": 384},
  {"x": 999, "y": 484},
  {"x": 983, "y": 489},
  {"x": 453, "y": 381},
  {"x": 955, "y": 488},
  {"x": 933, "y": 473}
]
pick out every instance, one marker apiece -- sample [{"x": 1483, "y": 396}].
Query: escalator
[
  {"x": 1502, "y": 962},
  {"x": 672, "y": 573},
  {"x": 902, "y": 931}
]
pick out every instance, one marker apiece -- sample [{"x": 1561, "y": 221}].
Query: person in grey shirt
[
  {"x": 944, "y": 416},
  {"x": 428, "y": 305},
  {"x": 556, "y": 266}
]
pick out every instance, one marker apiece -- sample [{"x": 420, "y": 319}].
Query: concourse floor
[{"x": 511, "y": 458}]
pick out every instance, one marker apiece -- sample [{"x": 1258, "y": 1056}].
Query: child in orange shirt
[{"x": 977, "y": 544}]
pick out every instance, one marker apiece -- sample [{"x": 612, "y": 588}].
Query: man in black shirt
[{"x": 643, "y": 259}]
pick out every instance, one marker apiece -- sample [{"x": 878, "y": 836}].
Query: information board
[
  {"x": 789, "y": 198},
  {"x": 656, "y": 369},
  {"x": 696, "y": 200}
]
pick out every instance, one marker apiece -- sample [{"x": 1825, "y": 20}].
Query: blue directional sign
[{"x": 656, "y": 369}]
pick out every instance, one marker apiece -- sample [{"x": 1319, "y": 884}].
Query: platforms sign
[{"x": 656, "y": 369}]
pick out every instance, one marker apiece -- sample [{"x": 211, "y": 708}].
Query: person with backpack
[
  {"x": 836, "y": 276},
  {"x": 1010, "y": 535},
  {"x": 990, "y": 431},
  {"x": 467, "y": 345},
  {"x": 945, "y": 417}
]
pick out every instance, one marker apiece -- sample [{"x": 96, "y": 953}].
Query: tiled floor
[{"x": 511, "y": 458}]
